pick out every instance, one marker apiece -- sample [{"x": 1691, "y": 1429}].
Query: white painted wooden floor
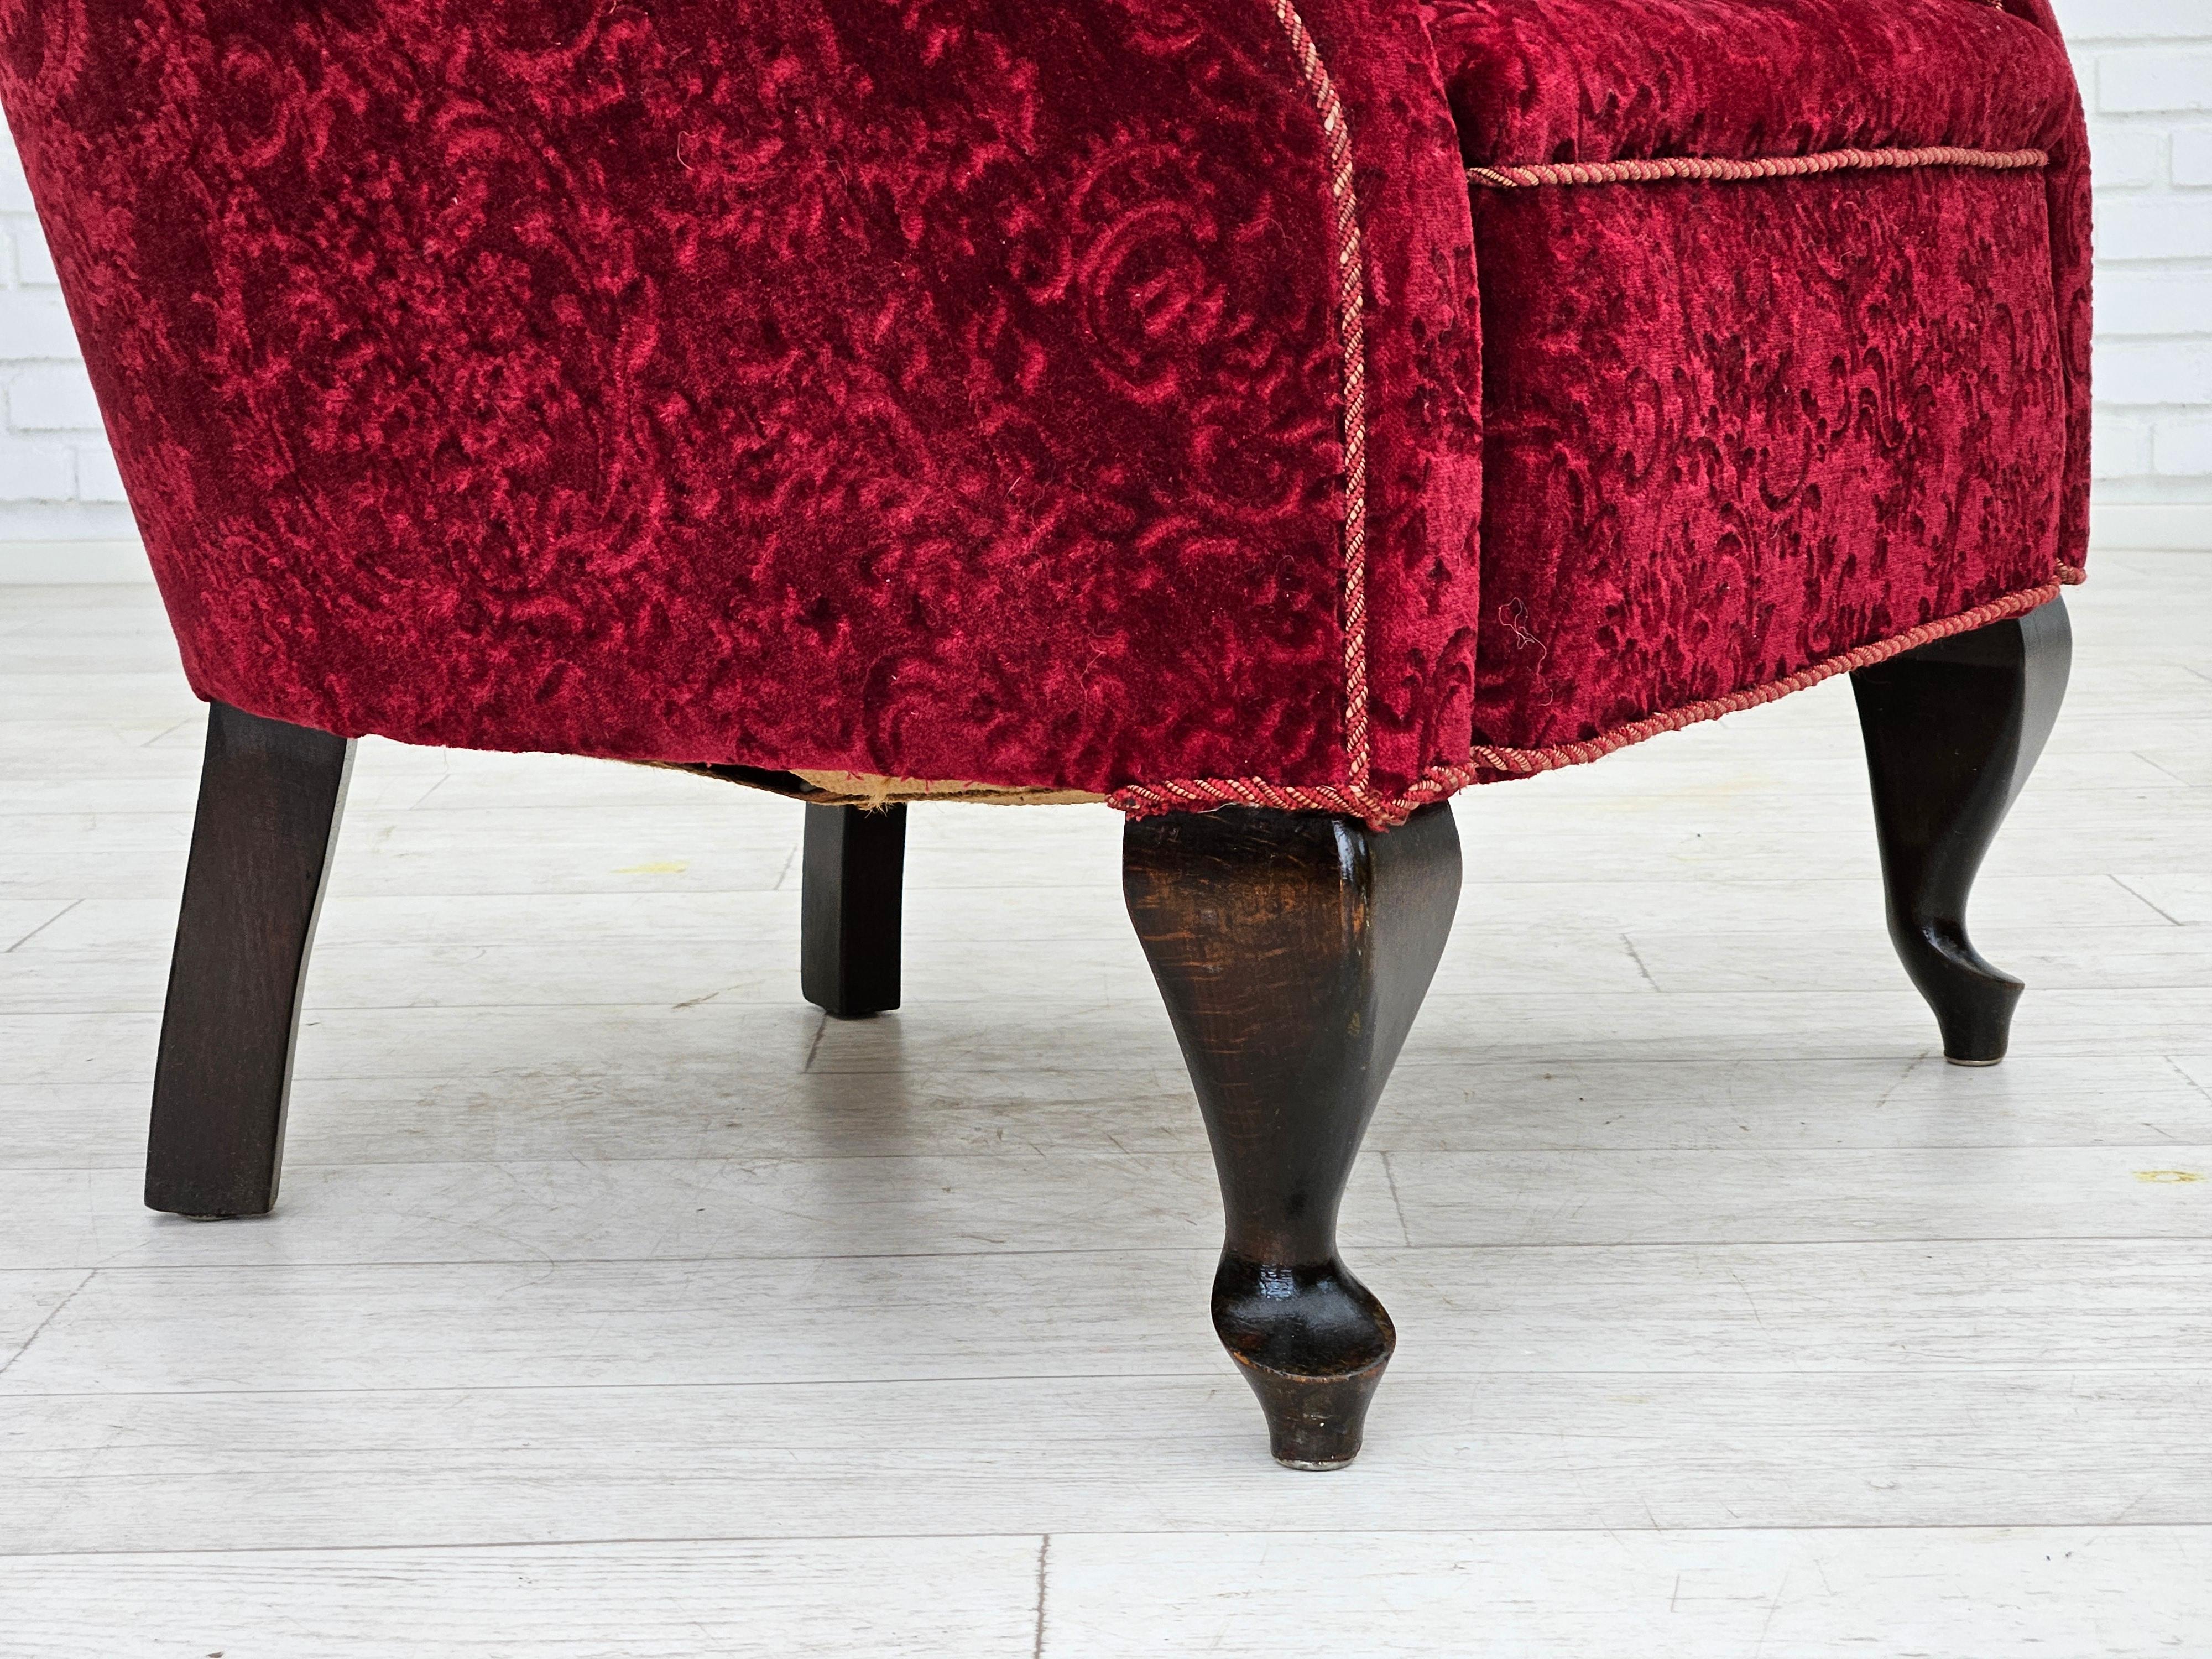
[{"x": 617, "y": 1306}]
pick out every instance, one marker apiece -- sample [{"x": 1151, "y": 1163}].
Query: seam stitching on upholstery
[
  {"x": 1349, "y": 281},
  {"x": 1351, "y": 297},
  {"x": 1776, "y": 166},
  {"x": 1381, "y": 812}
]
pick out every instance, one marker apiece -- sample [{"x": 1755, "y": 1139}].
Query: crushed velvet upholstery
[
  {"x": 942, "y": 389},
  {"x": 1733, "y": 429},
  {"x": 1605, "y": 80},
  {"x": 1867, "y": 440}
]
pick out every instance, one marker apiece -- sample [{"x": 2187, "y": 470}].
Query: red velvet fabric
[
  {"x": 2067, "y": 203},
  {"x": 945, "y": 388},
  {"x": 933, "y": 387},
  {"x": 1424, "y": 429},
  {"x": 1707, "y": 471},
  {"x": 1608, "y": 79},
  {"x": 1534, "y": 81}
]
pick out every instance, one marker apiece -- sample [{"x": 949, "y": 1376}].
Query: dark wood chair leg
[
  {"x": 270, "y": 795},
  {"x": 854, "y": 868},
  {"x": 1293, "y": 950},
  {"x": 1952, "y": 731}
]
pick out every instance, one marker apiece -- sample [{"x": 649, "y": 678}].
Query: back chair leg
[
  {"x": 1293, "y": 950},
  {"x": 854, "y": 870},
  {"x": 1952, "y": 731},
  {"x": 270, "y": 795}
]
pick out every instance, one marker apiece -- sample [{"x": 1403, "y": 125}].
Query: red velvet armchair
[{"x": 1269, "y": 417}]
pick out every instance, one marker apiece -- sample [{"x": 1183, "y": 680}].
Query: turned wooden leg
[
  {"x": 1952, "y": 731},
  {"x": 270, "y": 799},
  {"x": 1293, "y": 950},
  {"x": 848, "y": 908}
]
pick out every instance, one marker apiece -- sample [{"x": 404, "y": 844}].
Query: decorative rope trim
[
  {"x": 1350, "y": 277},
  {"x": 1144, "y": 800},
  {"x": 1777, "y": 166},
  {"x": 1354, "y": 799},
  {"x": 1527, "y": 761},
  {"x": 1381, "y": 812}
]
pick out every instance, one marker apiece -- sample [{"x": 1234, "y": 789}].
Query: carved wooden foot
[
  {"x": 1293, "y": 950},
  {"x": 1952, "y": 731},
  {"x": 854, "y": 867},
  {"x": 270, "y": 795}
]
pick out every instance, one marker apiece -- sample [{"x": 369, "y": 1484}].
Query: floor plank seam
[
  {"x": 632, "y": 1540},
  {"x": 1209, "y": 1376},
  {"x": 558, "y": 1262},
  {"x": 1044, "y": 1557}
]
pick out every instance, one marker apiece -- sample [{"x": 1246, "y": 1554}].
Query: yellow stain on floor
[
  {"x": 673, "y": 868},
  {"x": 2168, "y": 1177}
]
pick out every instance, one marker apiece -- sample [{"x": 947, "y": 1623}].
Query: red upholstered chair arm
[
  {"x": 2067, "y": 195},
  {"x": 1082, "y": 395},
  {"x": 1424, "y": 402}
]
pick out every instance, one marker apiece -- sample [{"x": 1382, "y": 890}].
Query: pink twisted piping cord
[
  {"x": 1354, "y": 799},
  {"x": 1351, "y": 340},
  {"x": 1778, "y": 166},
  {"x": 1525, "y": 762},
  {"x": 1142, "y": 800}
]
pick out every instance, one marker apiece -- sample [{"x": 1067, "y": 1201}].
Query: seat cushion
[
  {"x": 1740, "y": 431},
  {"x": 1538, "y": 80}
]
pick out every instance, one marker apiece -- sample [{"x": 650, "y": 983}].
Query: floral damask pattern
[
  {"x": 1534, "y": 80},
  {"x": 1723, "y": 470},
  {"x": 916, "y": 386},
  {"x": 947, "y": 389},
  {"x": 1545, "y": 81}
]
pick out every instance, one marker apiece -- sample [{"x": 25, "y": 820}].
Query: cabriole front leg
[
  {"x": 1293, "y": 950},
  {"x": 1952, "y": 732},
  {"x": 270, "y": 799}
]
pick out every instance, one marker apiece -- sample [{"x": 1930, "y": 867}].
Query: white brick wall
[
  {"x": 57, "y": 480},
  {"x": 2146, "y": 69}
]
